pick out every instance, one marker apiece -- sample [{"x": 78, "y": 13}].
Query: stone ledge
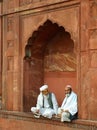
[{"x": 28, "y": 116}]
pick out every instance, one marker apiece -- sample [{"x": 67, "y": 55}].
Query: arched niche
[{"x": 49, "y": 59}]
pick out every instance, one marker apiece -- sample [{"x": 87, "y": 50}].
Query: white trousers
[
  {"x": 65, "y": 116},
  {"x": 46, "y": 112}
]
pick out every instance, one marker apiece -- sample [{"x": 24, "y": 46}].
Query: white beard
[{"x": 67, "y": 95}]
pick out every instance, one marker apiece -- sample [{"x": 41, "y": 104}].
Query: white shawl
[{"x": 70, "y": 103}]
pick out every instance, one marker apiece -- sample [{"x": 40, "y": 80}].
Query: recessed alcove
[{"x": 49, "y": 59}]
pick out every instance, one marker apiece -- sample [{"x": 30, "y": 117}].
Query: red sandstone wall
[
  {"x": 88, "y": 102},
  {"x": 80, "y": 20},
  {"x": 57, "y": 82},
  {"x": 18, "y": 28},
  {"x": 0, "y": 53}
]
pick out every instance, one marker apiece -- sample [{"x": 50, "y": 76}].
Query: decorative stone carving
[
  {"x": 10, "y": 23},
  {"x": 93, "y": 59},
  {"x": 93, "y": 48},
  {"x": 93, "y": 9},
  {"x": 10, "y": 4},
  {"x": 10, "y": 61},
  {"x": 93, "y": 33},
  {"x": 0, "y": 102},
  {"x": 9, "y": 43},
  {"x": 93, "y": 39},
  {"x": 24, "y": 2}
]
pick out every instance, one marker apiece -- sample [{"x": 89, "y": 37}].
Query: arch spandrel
[
  {"x": 69, "y": 19},
  {"x": 33, "y": 27}
]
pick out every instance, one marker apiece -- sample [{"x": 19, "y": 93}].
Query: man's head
[
  {"x": 44, "y": 89},
  {"x": 68, "y": 90}
]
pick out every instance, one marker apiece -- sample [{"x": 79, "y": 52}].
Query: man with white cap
[
  {"x": 68, "y": 110},
  {"x": 46, "y": 104}
]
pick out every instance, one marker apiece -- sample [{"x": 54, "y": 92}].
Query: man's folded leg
[{"x": 65, "y": 117}]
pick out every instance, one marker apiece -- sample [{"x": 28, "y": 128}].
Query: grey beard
[{"x": 67, "y": 95}]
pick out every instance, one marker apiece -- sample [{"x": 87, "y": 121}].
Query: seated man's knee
[{"x": 33, "y": 109}]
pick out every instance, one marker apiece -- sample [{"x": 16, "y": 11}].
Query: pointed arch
[{"x": 49, "y": 53}]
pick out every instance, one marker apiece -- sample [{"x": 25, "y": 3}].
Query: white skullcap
[
  {"x": 42, "y": 88},
  {"x": 68, "y": 86}
]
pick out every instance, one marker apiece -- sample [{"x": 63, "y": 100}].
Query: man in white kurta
[
  {"x": 46, "y": 103},
  {"x": 68, "y": 109}
]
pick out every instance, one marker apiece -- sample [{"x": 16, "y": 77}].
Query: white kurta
[
  {"x": 46, "y": 111},
  {"x": 70, "y": 103}
]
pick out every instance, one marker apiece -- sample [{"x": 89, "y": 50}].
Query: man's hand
[{"x": 66, "y": 111}]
